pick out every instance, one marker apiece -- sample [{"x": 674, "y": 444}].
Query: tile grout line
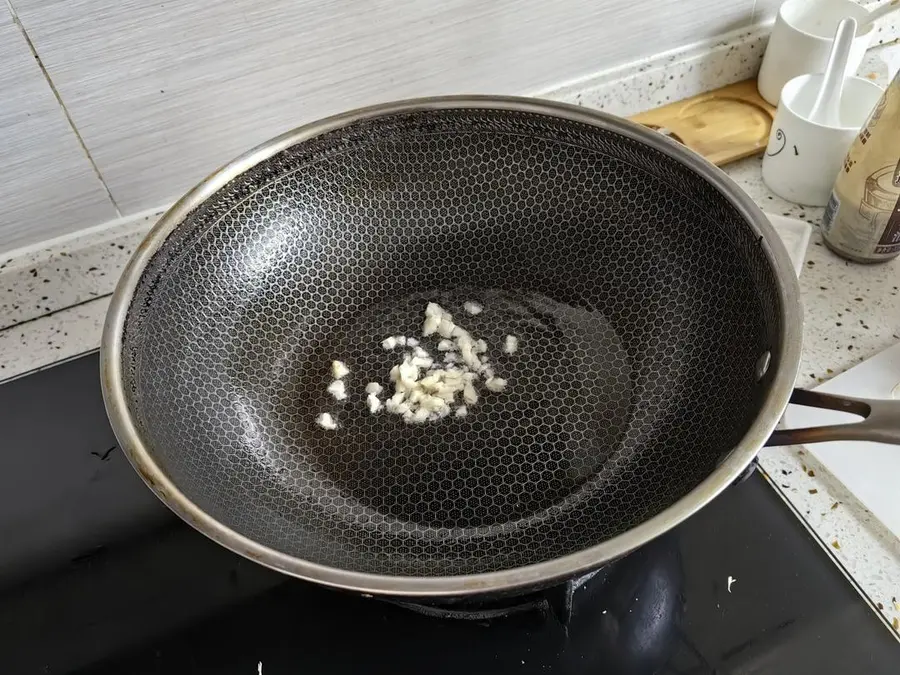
[{"x": 65, "y": 110}]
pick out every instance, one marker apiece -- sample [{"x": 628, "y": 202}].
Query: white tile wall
[
  {"x": 765, "y": 10},
  {"x": 47, "y": 184},
  {"x": 164, "y": 92}
]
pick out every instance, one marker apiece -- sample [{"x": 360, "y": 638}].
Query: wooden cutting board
[{"x": 722, "y": 125}]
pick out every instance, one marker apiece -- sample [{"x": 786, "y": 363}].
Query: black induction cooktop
[{"x": 96, "y": 577}]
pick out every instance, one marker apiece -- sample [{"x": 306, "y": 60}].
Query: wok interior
[{"x": 641, "y": 298}]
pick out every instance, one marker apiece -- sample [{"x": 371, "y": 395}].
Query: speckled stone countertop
[
  {"x": 53, "y": 302},
  {"x": 851, "y": 311}
]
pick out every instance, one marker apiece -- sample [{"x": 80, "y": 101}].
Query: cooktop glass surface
[{"x": 97, "y": 578}]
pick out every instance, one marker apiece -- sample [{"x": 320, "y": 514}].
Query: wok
[{"x": 656, "y": 309}]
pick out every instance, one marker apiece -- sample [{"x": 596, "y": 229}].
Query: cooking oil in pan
[{"x": 518, "y": 452}]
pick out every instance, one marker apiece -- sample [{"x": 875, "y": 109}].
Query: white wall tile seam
[
  {"x": 162, "y": 95},
  {"x": 159, "y": 94},
  {"x": 62, "y": 105}
]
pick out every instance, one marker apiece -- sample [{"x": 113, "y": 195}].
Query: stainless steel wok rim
[{"x": 782, "y": 371}]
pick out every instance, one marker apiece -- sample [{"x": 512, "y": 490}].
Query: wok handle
[{"x": 880, "y": 424}]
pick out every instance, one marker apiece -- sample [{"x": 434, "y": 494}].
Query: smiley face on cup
[{"x": 803, "y": 157}]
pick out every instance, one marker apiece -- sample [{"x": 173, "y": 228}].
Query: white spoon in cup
[{"x": 826, "y": 109}]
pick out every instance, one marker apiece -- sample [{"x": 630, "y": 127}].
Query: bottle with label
[{"x": 862, "y": 218}]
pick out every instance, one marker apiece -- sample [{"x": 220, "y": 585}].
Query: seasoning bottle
[{"x": 862, "y": 218}]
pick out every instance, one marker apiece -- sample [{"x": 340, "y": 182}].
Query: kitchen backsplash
[{"x": 111, "y": 108}]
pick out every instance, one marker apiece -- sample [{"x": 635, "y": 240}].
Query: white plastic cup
[
  {"x": 801, "y": 40},
  {"x": 803, "y": 158}
]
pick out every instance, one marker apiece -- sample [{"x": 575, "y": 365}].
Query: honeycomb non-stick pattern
[{"x": 640, "y": 296}]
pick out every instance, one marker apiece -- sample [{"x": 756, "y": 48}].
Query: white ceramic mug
[
  {"x": 801, "y": 40},
  {"x": 803, "y": 158}
]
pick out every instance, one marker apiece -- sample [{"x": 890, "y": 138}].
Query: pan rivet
[{"x": 762, "y": 365}]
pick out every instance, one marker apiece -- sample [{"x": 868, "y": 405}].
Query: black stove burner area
[
  {"x": 629, "y": 612},
  {"x": 554, "y": 602},
  {"x": 97, "y": 578},
  {"x": 564, "y": 601}
]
